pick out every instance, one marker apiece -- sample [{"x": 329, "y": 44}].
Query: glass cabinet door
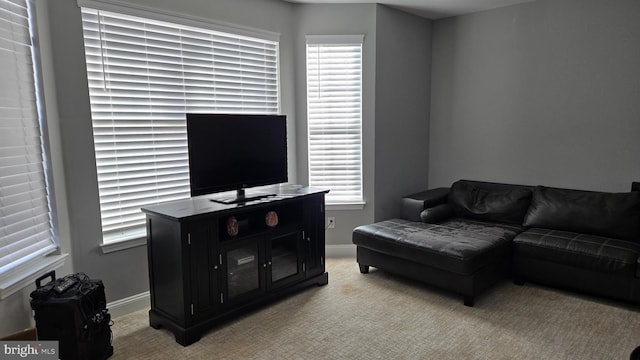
[
  {"x": 285, "y": 260},
  {"x": 244, "y": 274}
]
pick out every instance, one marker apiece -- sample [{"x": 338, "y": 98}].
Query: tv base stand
[{"x": 241, "y": 197}]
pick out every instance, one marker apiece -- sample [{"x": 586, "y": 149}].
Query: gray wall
[
  {"x": 545, "y": 92},
  {"x": 403, "y": 64}
]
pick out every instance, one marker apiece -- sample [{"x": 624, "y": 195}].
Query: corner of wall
[{"x": 402, "y": 107}]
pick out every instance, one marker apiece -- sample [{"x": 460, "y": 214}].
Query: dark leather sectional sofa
[{"x": 467, "y": 237}]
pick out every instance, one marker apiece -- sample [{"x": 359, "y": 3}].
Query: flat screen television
[{"x": 236, "y": 152}]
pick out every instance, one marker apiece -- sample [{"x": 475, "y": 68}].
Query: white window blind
[
  {"x": 144, "y": 76},
  {"x": 334, "y": 116},
  {"x": 25, "y": 220}
]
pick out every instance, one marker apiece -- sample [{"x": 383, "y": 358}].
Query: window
[
  {"x": 144, "y": 76},
  {"x": 26, "y": 231},
  {"x": 334, "y": 116}
]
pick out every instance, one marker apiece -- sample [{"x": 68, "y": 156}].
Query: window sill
[
  {"x": 123, "y": 244},
  {"x": 27, "y": 274},
  {"x": 345, "y": 206}
]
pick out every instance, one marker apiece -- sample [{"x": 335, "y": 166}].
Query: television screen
[{"x": 234, "y": 152}]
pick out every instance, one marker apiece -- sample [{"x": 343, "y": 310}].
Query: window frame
[
  {"x": 356, "y": 202},
  {"x": 139, "y": 238},
  {"x": 23, "y": 272}
]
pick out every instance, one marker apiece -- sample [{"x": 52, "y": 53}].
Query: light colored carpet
[{"x": 381, "y": 316}]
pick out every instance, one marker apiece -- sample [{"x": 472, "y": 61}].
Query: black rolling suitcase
[{"x": 73, "y": 311}]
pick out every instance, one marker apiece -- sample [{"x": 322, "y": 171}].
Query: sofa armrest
[
  {"x": 412, "y": 205},
  {"x": 436, "y": 214}
]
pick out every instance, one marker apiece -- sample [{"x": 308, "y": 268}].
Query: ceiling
[{"x": 431, "y": 9}]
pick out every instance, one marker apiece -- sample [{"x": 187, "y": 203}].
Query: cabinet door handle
[
  {"x": 269, "y": 263},
  {"x": 215, "y": 267}
]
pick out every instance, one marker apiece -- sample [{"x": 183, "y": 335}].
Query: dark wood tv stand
[{"x": 200, "y": 275}]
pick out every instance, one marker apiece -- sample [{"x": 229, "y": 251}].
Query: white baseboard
[
  {"x": 347, "y": 250},
  {"x": 142, "y": 301},
  {"x": 129, "y": 304}
]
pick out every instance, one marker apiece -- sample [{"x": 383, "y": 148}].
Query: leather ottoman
[{"x": 462, "y": 255}]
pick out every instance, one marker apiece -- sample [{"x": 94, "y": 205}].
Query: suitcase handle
[{"x": 50, "y": 273}]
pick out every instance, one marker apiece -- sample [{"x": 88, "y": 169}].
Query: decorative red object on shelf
[
  {"x": 232, "y": 226},
  {"x": 271, "y": 219}
]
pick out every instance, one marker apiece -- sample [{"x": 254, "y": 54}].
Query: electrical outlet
[{"x": 331, "y": 222}]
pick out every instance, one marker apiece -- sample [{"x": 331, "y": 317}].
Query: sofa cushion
[
  {"x": 489, "y": 202},
  {"x": 614, "y": 215},
  {"x": 591, "y": 252},
  {"x": 459, "y": 245}
]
